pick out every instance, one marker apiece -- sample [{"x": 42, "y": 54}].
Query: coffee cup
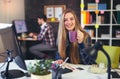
[{"x": 72, "y": 36}]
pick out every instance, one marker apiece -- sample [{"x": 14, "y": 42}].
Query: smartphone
[{"x": 79, "y": 68}]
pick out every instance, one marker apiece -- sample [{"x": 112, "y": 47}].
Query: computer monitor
[{"x": 20, "y": 26}]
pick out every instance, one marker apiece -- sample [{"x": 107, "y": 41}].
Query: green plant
[{"x": 40, "y": 67}]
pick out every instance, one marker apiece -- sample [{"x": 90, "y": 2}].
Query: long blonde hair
[{"x": 62, "y": 39}]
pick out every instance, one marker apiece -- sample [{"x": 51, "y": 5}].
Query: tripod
[{"x": 10, "y": 74}]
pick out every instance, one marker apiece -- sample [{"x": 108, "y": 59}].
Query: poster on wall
[
  {"x": 58, "y": 12},
  {"x": 54, "y": 12},
  {"x": 50, "y": 12}
]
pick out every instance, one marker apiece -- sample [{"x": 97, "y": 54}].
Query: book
[
  {"x": 85, "y": 15},
  {"x": 117, "y": 33},
  {"x": 102, "y": 6},
  {"x": 92, "y": 6}
]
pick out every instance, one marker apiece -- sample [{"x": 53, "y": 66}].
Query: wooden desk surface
[{"x": 25, "y": 39}]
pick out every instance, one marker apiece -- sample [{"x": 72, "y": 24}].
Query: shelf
[
  {"x": 118, "y": 25},
  {"x": 116, "y": 38},
  {"x": 101, "y": 38},
  {"x": 108, "y": 21},
  {"x": 101, "y": 10},
  {"x": 99, "y": 24},
  {"x": 98, "y": 10},
  {"x": 115, "y": 10},
  {"x": 105, "y": 38}
]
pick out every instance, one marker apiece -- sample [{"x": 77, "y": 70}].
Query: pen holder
[{"x": 56, "y": 71}]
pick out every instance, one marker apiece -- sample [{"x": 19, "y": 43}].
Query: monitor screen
[{"x": 20, "y": 26}]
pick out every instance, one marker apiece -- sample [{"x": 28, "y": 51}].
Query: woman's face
[{"x": 69, "y": 21}]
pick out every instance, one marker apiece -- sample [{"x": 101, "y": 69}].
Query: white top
[{"x": 43, "y": 25}]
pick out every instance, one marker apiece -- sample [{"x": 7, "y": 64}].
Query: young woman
[{"x": 73, "y": 50}]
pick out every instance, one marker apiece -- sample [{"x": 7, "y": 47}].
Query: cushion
[{"x": 113, "y": 52}]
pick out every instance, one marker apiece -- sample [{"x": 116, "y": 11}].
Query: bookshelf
[{"x": 101, "y": 19}]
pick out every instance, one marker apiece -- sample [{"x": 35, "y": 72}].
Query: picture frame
[{"x": 54, "y": 12}]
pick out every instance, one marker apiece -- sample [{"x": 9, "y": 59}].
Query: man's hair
[{"x": 42, "y": 16}]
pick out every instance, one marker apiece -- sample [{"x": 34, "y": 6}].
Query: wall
[
  {"x": 11, "y": 9},
  {"x": 35, "y": 7}
]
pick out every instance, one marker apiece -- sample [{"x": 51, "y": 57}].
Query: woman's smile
[{"x": 69, "y": 21}]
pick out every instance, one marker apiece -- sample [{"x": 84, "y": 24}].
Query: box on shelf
[
  {"x": 105, "y": 35},
  {"x": 85, "y": 15},
  {"x": 102, "y": 6},
  {"x": 92, "y": 6},
  {"x": 101, "y": 20},
  {"x": 118, "y": 7},
  {"x": 118, "y": 17},
  {"x": 90, "y": 32},
  {"x": 117, "y": 33}
]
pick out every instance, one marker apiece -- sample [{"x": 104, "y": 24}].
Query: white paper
[
  {"x": 50, "y": 12},
  {"x": 58, "y": 13}
]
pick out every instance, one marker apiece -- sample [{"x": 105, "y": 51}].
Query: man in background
[{"x": 46, "y": 37}]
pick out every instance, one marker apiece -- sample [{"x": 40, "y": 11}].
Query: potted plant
[{"x": 40, "y": 69}]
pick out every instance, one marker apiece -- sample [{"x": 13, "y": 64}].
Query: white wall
[{"x": 11, "y": 10}]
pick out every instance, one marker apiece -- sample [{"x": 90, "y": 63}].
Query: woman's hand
[
  {"x": 60, "y": 61},
  {"x": 80, "y": 36}
]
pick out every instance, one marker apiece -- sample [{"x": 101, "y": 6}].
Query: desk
[
  {"x": 76, "y": 74},
  {"x": 27, "y": 39},
  {"x": 83, "y": 74},
  {"x": 43, "y": 47}
]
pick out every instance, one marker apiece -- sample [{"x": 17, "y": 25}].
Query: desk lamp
[
  {"x": 99, "y": 46},
  {"x": 10, "y": 74}
]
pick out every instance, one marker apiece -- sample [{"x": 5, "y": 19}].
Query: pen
[
  {"x": 70, "y": 67},
  {"x": 64, "y": 61}
]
